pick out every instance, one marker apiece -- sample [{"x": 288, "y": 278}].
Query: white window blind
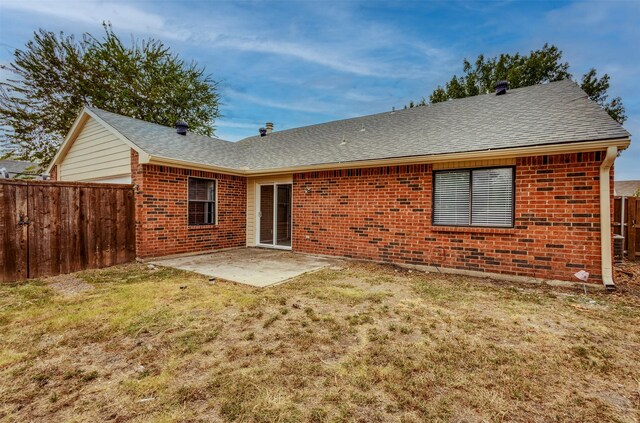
[
  {"x": 451, "y": 198},
  {"x": 478, "y": 197},
  {"x": 202, "y": 202},
  {"x": 492, "y": 197}
]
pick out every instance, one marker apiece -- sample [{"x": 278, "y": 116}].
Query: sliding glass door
[
  {"x": 266, "y": 214},
  {"x": 274, "y": 215}
]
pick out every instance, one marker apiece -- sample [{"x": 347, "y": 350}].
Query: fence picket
[{"x": 73, "y": 226}]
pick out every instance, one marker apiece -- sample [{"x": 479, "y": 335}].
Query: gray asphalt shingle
[
  {"x": 18, "y": 167},
  {"x": 626, "y": 188},
  {"x": 162, "y": 141},
  {"x": 558, "y": 112}
]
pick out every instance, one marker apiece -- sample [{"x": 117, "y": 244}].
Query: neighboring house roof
[
  {"x": 626, "y": 188},
  {"x": 548, "y": 114},
  {"x": 17, "y": 167}
]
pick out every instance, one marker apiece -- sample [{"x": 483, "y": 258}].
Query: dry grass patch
[{"x": 363, "y": 343}]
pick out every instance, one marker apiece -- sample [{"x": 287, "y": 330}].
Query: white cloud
[
  {"x": 122, "y": 15},
  {"x": 378, "y": 57},
  {"x": 237, "y": 125},
  {"x": 328, "y": 57},
  {"x": 309, "y": 106},
  {"x": 373, "y": 50},
  {"x": 360, "y": 96}
]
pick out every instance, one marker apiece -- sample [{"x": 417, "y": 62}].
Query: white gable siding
[{"x": 96, "y": 155}]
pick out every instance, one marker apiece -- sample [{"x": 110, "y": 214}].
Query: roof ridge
[{"x": 409, "y": 109}]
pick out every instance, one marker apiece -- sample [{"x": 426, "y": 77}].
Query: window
[
  {"x": 202, "y": 202},
  {"x": 476, "y": 197}
]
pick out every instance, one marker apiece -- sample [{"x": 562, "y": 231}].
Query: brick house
[{"x": 518, "y": 184}]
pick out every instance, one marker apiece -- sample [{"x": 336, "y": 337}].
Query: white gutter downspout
[{"x": 605, "y": 218}]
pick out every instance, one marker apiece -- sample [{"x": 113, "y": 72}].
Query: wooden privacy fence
[
  {"x": 50, "y": 228},
  {"x": 626, "y": 222}
]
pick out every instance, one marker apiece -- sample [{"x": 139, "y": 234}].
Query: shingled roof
[
  {"x": 554, "y": 113},
  {"x": 626, "y": 188},
  {"x": 162, "y": 141},
  {"x": 17, "y": 167}
]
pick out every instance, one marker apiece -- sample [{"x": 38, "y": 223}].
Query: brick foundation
[
  {"x": 161, "y": 211},
  {"x": 384, "y": 214}
]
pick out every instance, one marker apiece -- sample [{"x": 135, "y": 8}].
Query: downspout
[{"x": 605, "y": 217}]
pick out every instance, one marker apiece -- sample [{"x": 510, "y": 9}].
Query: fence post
[
  {"x": 632, "y": 227},
  {"x": 622, "y": 217}
]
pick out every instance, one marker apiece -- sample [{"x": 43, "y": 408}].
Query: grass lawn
[{"x": 363, "y": 343}]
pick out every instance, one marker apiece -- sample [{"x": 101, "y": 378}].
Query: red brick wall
[
  {"x": 161, "y": 211},
  {"x": 53, "y": 175},
  {"x": 384, "y": 214}
]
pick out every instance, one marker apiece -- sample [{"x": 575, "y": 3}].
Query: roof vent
[
  {"x": 269, "y": 126},
  {"x": 262, "y": 131},
  {"x": 181, "y": 127},
  {"x": 501, "y": 87}
]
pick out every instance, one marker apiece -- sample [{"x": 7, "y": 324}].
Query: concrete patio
[{"x": 259, "y": 267}]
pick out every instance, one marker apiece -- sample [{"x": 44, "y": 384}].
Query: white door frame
[{"x": 275, "y": 215}]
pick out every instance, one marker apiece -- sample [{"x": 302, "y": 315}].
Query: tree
[
  {"x": 55, "y": 75},
  {"x": 539, "y": 66},
  {"x": 597, "y": 91},
  {"x": 412, "y": 104}
]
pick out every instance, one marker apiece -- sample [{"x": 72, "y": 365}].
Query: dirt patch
[
  {"x": 68, "y": 285},
  {"x": 627, "y": 277},
  {"x": 615, "y": 400}
]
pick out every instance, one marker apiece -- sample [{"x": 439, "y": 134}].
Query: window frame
[
  {"x": 214, "y": 201},
  {"x": 470, "y": 170}
]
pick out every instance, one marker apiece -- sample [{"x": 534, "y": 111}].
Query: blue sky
[{"x": 299, "y": 63}]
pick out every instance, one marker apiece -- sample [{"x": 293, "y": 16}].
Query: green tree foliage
[
  {"x": 56, "y": 75},
  {"x": 412, "y": 104},
  {"x": 539, "y": 66},
  {"x": 597, "y": 88}
]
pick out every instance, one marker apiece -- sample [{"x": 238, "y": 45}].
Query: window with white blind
[
  {"x": 475, "y": 197},
  {"x": 202, "y": 201}
]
